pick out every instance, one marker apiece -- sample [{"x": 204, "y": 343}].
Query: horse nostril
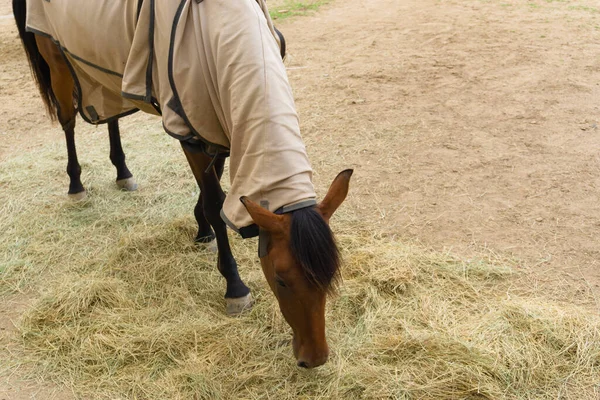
[{"x": 303, "y": 364}]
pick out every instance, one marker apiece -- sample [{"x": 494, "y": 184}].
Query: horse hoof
[
  {"x": 239, "y": 305},
  {"x": 208, "y": 246},
  {"x": 78, "y": 196},
  {"x": 128, "y": 184}
]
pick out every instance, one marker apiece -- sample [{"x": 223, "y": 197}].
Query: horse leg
[
  {"x": 206, "y": 236},
  {"x": 62, "y": 88},
  {"x": 237, "y": 295},
  {"x": 76, "y": 190},
  {"x": 125, "y": 178}
]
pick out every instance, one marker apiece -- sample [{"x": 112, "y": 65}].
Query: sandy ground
[{"x": 472, "y": 125}]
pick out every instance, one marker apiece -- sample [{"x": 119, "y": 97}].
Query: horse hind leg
[
  {"x": 76, "y": 190},
  {"x": 206, "y": 236},
  {"x": 125, "y": 179},
  {"x": 62, "y": 87}
]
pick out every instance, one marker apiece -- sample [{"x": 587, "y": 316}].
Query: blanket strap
[{"x": 212, "y": 163}]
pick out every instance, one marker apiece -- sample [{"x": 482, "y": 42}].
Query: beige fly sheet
[{"x": 211, "y": 68}]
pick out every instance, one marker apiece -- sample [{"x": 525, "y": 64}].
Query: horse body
[
  {"x": 224, "y": 92},
  {"x": 57, "y": 88}
]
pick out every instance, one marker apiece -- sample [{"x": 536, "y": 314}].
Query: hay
[{"x": 127, "y": 307}]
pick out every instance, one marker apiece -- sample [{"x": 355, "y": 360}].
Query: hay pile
[{"x": 127, "y": 307}]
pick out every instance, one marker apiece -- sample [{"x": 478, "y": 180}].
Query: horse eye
[{"x": 280, "y": 282}]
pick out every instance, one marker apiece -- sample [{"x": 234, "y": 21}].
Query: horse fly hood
[{"x": 219, "y": 86}]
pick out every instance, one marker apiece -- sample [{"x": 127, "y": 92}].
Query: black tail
[
  {"x": 39, "y": 67},
  {"x": 282, "y": 47}
]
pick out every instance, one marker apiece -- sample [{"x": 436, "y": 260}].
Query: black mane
[{"x": 313, "y": 245}]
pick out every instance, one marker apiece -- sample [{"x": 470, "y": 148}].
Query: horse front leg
[
  {"x": 125, "y": 178},
  {"x": 237, "y": 295}
]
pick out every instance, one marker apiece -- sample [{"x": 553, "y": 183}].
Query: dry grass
[{"x": 127, "y": 307}]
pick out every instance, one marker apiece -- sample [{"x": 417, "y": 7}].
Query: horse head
[{"x": 301, "y": 265}]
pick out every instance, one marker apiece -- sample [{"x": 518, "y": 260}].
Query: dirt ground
[{"x": 472, "y": 125}]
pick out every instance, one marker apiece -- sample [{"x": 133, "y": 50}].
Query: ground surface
[{"x": 472, "y": 125}]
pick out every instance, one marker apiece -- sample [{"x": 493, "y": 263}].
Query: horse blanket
[{"x": 211, "y": 68}]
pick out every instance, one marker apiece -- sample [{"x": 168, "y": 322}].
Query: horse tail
[
  {"x": 39, "y": 66},
  {"x": 282, "y": 45}
]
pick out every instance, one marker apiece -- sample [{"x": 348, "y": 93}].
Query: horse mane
[{"x": 313, "y": 245}]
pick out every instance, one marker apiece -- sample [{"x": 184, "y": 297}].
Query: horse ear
[
  {"x": 262, "y": 217},
  {"x": 336, "y": 194}
]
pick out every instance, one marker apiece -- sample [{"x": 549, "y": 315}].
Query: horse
[
  {"x": 59, "y": 97},
  {"x": 298, "y": 252}
]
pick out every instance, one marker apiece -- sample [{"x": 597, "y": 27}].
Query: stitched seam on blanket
[{"x": 91, "y": 64}]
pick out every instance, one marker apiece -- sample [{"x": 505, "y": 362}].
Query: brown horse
[
  {"x": 58, "y": 92},
  {"x": 299, "y": 255}
]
